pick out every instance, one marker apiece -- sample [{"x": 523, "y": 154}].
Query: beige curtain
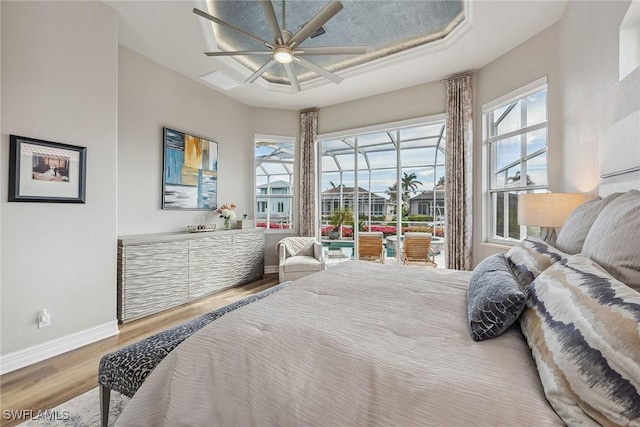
[
  {"x": 308, "y": 136},
  {"x": 458, "y": 181}
]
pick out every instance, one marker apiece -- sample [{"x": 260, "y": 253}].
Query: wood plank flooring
[{"x": 51, "y": 382}]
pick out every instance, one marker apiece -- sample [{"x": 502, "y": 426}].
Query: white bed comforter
[{"x": 359, "y": 344}]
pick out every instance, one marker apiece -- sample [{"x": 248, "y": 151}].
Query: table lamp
[{"x": 547, "y": 211}]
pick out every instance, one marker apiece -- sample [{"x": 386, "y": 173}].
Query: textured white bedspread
[{"x": 359, "y": 344}]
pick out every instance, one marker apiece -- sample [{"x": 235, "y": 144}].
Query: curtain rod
[{"x": 468, "y": 73}]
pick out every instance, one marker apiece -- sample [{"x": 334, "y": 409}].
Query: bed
[{"x": 364, "y": 344}]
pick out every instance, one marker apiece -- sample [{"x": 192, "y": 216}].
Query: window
[
  {"x": 275, "y": 177},
  {"x": 515, "y": 137},
  {"x": 386, "y": 175}
]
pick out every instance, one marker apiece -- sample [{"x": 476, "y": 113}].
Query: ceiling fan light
[{"x": 282, "y": 55}]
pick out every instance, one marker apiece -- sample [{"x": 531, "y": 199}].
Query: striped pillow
[
  {"x": 583, "y": 327},
  {"x": 531, "y": 257}
]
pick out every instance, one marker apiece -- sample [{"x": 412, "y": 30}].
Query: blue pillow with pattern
[{"x": 494, "y": 298}]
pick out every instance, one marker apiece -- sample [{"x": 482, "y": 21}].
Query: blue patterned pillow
[
  {"x": 531, "y": 257},
  {"x": 494, "y": 298}
]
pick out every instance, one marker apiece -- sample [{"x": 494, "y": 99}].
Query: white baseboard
[
  {"x": 268, "y": 269},
  {"x": 30, "y": 355}
]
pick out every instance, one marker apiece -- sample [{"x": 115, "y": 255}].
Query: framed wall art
[
  {"x": 190, "y": 176},
  {"x": 44, "y": 171}
]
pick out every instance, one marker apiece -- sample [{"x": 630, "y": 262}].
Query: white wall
[
  {"x": 594, "y": 98},
  {"x": 417, "y": 101},
  {"x": 59, "y": 83},
  {"x": 152, "y": 96}
]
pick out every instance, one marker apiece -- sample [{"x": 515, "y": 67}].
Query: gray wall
[
  {"x": 417, "y": 101},
  {"x": 59, "y": 83},
  {"x": 152, "y": 96}
]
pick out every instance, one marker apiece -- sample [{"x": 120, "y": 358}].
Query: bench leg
[{"x": 105, "y": 397}]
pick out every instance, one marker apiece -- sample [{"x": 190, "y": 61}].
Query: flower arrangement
[{"x": 228, "y": 212}]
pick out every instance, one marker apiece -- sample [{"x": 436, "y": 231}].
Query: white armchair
[{"x": 298, "y": 257}]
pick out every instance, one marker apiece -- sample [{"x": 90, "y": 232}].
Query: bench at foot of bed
[{"x": 126, "y": 369}]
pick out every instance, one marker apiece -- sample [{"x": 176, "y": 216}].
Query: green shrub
[{"x": 420, "y": 217}]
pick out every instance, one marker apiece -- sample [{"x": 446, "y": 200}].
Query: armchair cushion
[{"x": 302, "y": 263}]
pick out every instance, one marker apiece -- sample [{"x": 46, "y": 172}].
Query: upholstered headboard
[{"x": 620, "y": 156}]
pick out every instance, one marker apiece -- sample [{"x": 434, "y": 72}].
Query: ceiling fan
[{"x": 285, "y": 47}]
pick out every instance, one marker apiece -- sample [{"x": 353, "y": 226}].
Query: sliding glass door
[{"x": 389, "y": 181}]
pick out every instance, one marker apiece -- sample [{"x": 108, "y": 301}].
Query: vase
[{"x": 227, "y": 223}]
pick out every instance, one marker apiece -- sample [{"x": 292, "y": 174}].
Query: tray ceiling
[{"x": 385, "y": 27}]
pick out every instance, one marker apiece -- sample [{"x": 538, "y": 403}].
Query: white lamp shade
[{"x": 547, "y": 209}]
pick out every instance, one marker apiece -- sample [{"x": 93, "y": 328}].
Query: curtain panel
[
  {"x": 458, "y": 174},
  {"x": 308, "y": 135}
]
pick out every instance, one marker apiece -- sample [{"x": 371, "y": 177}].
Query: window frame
[
  {"x": 490, "y": 161},
  {"x": 393, "y": 127},
  {"x": 293, "y": 198}
]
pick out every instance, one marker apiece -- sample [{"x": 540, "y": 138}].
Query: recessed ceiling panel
[{"x": 404, "y": 24}]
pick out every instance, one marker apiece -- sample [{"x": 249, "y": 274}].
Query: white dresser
[{"x": 160, "y": 271}]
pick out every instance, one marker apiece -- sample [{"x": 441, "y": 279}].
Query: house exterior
[
  {"x": 274, "y": 209},
  {"x": 368, "y": 203},
  {"x": 423, "y": 203}
]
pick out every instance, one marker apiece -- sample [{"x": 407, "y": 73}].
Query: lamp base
[{"x": 548, "y": 234}]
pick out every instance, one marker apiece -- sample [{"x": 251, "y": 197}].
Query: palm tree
[
  {"x": 410, "y": 182},
  {"x": 392, "y": 192},
  {"x": 409, "y": 185}
]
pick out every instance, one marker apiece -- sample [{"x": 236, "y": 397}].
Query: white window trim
[
  {"x": 418, "y": 121},
  {"x": 355, "y": 132},
  {"x": 501, "y": 101},
  {"x": 296, "y": 180}
]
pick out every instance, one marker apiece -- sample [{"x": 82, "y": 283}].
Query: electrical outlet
[{"x": 44, "y": 319}]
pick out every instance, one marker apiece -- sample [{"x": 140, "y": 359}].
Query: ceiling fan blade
[
  {"x": 233, "y": 27},
  {"x": 239, "y": 52},
  {"x": 272, "y": 20},
  {"x": 260, "y": 71},
  {"x": 337, "y": 50},
  {"x": 292, "y": 77},
  {"x": 313, "y": 67},
  {"x": 316, "y": 22}
]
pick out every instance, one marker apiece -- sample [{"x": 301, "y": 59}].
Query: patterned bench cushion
[{"x": 126, "y": 369}]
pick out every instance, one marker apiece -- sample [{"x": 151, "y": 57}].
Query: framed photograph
[
  {"x": 190, "y": 176},
  {"x": 44, "y": 171}
]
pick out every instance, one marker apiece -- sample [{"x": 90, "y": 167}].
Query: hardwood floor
[{"x": 51, "y": 382}]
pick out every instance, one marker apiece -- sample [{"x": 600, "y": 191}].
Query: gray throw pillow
[
  {"x": 494, "y": 298},
  {"x": 614, "y": 239},
  {"x": 576, "y": 227}
]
